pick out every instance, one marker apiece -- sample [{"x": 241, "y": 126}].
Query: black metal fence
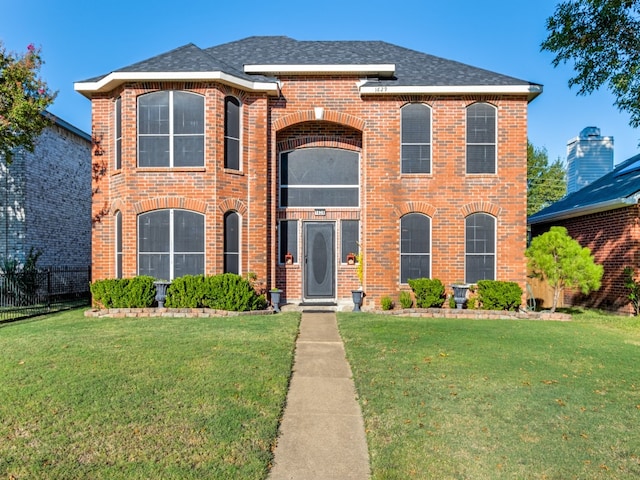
[{"x": 29, "y": 293}]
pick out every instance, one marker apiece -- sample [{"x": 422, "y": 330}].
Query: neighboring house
[
  {"x": 45, "y": 199},
  {"x": 232, "y": 158},
  {"x": 605, "y": 217}
]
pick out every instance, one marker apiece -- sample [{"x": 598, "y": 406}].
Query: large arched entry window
[{"x": 319, "y": 177}]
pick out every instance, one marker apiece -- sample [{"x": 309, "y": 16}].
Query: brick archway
[
  {"x": 415, "y": 207},
  {"x": 158, "y": 203},
  {"x": 480, "y": 206},
  {"x": 232, "y": 204},
  {"x": 327, "y": 116}
]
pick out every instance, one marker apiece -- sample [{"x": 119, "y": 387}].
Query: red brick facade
[{"x": 366, "y": 124}]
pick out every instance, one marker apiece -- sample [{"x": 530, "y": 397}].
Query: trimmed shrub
[
  {"x": 106, "y": 293},
  {"x": 188, "y": 291},
  {"x": 429, "y": 292},
  {"x": 221, "y": 292},
  {"x": 229, "y": 291},
  {"x": 498, "y": 295},
  {"x": 386, "y": 303},
  {"x": 141, "y": 292},
  {"x": 405, "y": 299},
  {"x": 136, "y": 292},
  {"x": 226, "y": 291}
]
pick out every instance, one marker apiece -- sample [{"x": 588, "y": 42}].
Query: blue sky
[{"x": 81, "y": 39}]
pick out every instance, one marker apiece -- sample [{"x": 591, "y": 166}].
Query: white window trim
[
  {"x": 430, "y": 172},
  {"x": 495, "y": 142},
  {"x": 240, "y": 134},
  {"x": 171, "y": 250},
  {"x": 117, "y": 156},
  {"x": 224, "y": 232},
  {"x": 171, "y": 133},
  {"x": 118, "y": 239},
  {"x": 400, "y": 254},
  {"x": 285, "y": 185},
  {"x": 495, "y": 244}
]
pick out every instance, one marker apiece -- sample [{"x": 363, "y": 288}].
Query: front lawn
[
  {"x": 472, "y": 399},
  {"x": 170, "y": 398}
]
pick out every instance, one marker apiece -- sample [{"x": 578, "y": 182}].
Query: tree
[
  {"x": 560, "y": 260},
  {"x": 545, "y": 183},
  {"x": 602, "y": 40},
  {"x": 24, "y": 97}
]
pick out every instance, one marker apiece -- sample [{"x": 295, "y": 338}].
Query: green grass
[
  {"x": 470, "y": 399},
  {"x": 142, "y": 398}
]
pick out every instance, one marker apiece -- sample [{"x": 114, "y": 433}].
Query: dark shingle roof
[
  {"x": 412, "y": 67},
  {"x": 616, "y": 189}
]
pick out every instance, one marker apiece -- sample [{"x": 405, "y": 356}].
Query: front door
[{"x": 319, "y": 260}]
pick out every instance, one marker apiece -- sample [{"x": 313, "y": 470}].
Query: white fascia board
[
  {"x": 531, "y": 91},
  {"x": 114, "y": 79},
  {"x": 383, "y": 69}
]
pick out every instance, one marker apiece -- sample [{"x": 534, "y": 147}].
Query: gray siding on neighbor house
[{"x": 45, "y": 199}]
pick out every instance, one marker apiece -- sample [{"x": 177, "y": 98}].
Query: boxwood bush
[
  {"x": 226, "y": 291},
  {"x": 498, "y": 295},
  {"x": 429, "y": 292},
  {"x": 220, "y": 292},
  {"x": 136, "y": 292},
  {"x": 186, "y": 292}
]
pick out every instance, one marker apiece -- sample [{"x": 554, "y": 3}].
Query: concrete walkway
[{"x": 322, "y": 431}]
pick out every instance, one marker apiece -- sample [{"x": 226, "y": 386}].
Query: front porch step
[{"x": 339, "y": 306}]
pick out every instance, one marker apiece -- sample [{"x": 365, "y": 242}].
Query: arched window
[
  {"x": 171, "y": 129},
  {"x": 118, "y": 235},
  {"x": 415, "y": 128},
  {"x": 232, "y": 133},
  {"x": 170, "y": 243},
  {"x": 481, "y": 138},
  {"x": 232, "y": 243},
  {"x": 480, "y": 247},
  {"x": 118, "y": 129},
  {"x": 415, "y": 247}
]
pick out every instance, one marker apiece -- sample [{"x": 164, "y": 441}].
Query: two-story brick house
[{"x": 281, "y": 157}]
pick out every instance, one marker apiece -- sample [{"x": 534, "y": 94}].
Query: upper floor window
[
  {"x": 481, "y": 138},
  {"x": 415, "y": 128},
  {"x": 415, "y": 247},
  {"x": 232, "y": 133},
  {"x": 480, "y": 247},
  {"x": 319, "y": 177},
  {"x": 170, "y": 243},
  {"x": 118, "y": 129},
  {"x": 171, "y": 129}
]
